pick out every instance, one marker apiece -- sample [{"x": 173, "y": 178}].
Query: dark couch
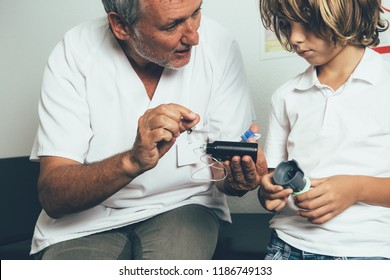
[{"x": 245, "y": 238}]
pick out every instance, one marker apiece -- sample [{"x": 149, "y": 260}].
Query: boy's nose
[{"x": 297, "y": 33}]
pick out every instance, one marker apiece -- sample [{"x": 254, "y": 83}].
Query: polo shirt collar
[
  {"x": 308, "y": 79},
  {"x": 367, "y": 70}
]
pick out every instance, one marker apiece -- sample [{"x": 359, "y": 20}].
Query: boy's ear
[{"x": 119, "y": 27}]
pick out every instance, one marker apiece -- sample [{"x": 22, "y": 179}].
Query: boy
[{"x": 334, "y": 120}]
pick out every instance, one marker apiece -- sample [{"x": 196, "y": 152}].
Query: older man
[{"x": 119, "y": 178}]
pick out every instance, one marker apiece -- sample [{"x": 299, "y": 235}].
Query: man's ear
[{"x": 119, "y": 27}]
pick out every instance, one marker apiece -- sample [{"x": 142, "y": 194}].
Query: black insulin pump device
[{"x": 225, "y": 150}]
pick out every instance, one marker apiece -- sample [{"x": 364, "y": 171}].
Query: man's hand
[
  {"x": 242, "y": 173},
  {"x": 157, "y": 131},
  {"x": 66, "y": 186}
]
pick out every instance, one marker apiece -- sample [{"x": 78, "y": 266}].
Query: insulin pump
[
  {"x": 225, "y": 150},
  {"x": 288, "y": 174}
]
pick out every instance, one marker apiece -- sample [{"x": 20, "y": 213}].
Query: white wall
[{"x": 29, "y": 30}]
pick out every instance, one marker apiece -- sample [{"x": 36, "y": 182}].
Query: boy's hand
[
  {"x": 327, "y": 198},
  {"x": 272, "y": 197}
]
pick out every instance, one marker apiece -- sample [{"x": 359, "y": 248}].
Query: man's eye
[{"x": 171, "y": 27}]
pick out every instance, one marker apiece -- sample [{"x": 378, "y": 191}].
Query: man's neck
[{"x": 148, "y": 72}]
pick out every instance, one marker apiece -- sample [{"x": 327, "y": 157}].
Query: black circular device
[{"x": 288, "y": 174}]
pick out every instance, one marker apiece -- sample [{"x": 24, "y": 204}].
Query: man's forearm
[{"x": 65, "y": 189}]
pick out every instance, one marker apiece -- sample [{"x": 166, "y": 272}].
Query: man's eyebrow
[
  {"x": 179, "y": 20},
  {"x": 199, "y": 7}
]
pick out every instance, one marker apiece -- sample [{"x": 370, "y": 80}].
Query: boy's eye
[
  {"x": 283, "y": 24},
  {"x": 309, "y": 26}
]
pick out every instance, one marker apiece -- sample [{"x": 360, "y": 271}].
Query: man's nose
[{"x": 190, "y": 34}]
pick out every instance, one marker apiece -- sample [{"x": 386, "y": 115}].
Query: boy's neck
[{"x": 337, "y": 71}]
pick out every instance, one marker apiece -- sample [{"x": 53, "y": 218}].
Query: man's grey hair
[{"x": 128, "y": 10}]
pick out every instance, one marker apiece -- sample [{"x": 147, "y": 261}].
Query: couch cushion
[
  {"x": 19, "y": 205},
  {"x": 245, "y": 239}
]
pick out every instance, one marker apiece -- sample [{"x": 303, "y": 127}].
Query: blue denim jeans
[
  {"x": 280, "y": 250},
  {"x": 188, "y": 232}
]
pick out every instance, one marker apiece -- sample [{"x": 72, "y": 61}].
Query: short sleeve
[
  {"x": 64, "y": 124},
  {"x": 275, "y": 149}
]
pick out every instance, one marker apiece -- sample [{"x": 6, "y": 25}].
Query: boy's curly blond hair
[{"x": 356, "y": 22}]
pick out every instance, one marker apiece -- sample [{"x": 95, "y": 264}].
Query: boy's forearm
[{"x": 374, "y": 191}]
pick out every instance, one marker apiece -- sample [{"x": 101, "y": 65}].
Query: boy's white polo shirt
[{"x": 333, "y": 133}]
